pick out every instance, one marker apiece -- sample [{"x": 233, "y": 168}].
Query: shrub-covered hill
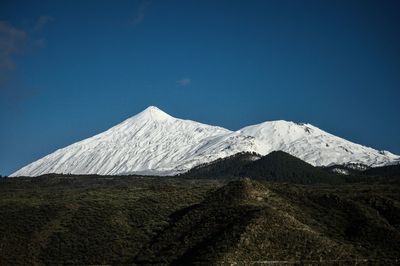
[
  {"x": 276, "y": 166},
  {"x": 170, "y": 221},
  {"x": 247, "y": 222},
  {"x": 87, "y": 219}
]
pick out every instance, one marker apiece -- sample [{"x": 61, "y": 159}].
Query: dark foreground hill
[
  {"x": 275, "y": 166},
  {"x": 131, "y": 220}
]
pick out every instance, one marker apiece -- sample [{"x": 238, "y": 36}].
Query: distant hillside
[
  {"x": 276, "y": 166},
  {"x": 384, "y": 171},
  {"x": 354, "y": 173},
  {"x": 381, "y": 175}
]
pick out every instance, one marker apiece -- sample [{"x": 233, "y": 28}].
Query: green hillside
[{"x": 174, "y": 221}]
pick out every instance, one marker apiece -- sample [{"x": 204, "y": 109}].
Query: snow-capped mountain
[
  {"x": 313, "y": 145},
  {"x": 153, "y": 142}
]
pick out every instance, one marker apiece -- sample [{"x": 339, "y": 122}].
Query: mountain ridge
[{"x": 153, "y": 142}]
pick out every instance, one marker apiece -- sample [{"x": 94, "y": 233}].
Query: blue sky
[{"x": 71, "y": 69}]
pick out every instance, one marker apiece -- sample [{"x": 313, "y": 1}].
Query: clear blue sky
[{"x": 71, "y": 69}]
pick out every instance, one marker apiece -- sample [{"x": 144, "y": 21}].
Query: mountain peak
[
  {"x": 153, "y": 113},
  {"x": 153, "y": 108}
]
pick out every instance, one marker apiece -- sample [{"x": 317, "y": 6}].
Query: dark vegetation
[
  {"x": 223, "y": 167},
  {"x": 389, "y": 174},
  {"x": 276, "y": 166},
  {"x": 384, "y": 171},
  {"x": 87, "y": 219},
  {"x": 131, "y": 220}
]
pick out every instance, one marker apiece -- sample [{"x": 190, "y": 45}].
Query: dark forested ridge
[
  {"x": 384, "y": 171},
  {"x": 389, "y": 174},
  {"x": 276, "y": 166},
  {"x": 224, "y": 167}
]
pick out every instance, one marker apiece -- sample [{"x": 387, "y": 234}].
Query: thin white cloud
[
  {"x": 140, "y": 12},
  {"x": 184, "y": 82},
  {"x": 15, "y": 41},
  {"x": 12, "y": 42},
  {"x": 41, "y": 22}
]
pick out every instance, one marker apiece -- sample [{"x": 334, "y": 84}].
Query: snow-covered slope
[
  {"x": 313, "y": 145},
  {"x": 149, "y": 142},
  {"x": 153, "y": 142}
]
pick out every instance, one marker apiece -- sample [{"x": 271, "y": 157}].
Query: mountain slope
[
  {"x": 155, "y": 143},
  {"x": 150, "y": 142}
]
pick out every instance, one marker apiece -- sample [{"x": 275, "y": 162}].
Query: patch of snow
[{"x": 340, "y": 171}]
